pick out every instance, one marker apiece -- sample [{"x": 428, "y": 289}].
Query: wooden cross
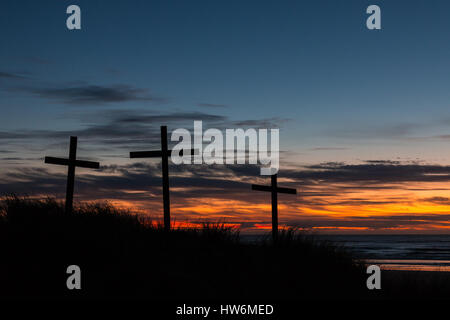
[
  {"x": 72, "y": 163},
  {"x": 274, "y": 189},
  {"x": 164, "y": 154}
]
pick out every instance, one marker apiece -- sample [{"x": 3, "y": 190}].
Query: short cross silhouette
[
  {"x": 72, "y": 163},
  {"x": 164, "y": 154},
  {"x": 274, "y": 189}
]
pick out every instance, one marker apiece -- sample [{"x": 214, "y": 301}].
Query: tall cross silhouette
[
  {"x": 72, "y": 163},
  {"x": 164, "y": 154},
  {"x": 274, "y": 189}
]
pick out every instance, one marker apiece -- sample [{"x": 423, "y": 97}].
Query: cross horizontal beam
[
  {"x": 155, "y": 154},
  {"x": 269, "y": 189},
  {"x": 146, "y": 154},
  {"x": 78, "y": 163}
]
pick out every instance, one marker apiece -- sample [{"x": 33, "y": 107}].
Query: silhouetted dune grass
[{"x": 123, "y": 256}]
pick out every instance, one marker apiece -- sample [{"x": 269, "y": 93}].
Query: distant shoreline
[{"x": 412, "y": 265}]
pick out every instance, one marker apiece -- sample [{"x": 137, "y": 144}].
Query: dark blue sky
[{"x": 312, "y": 62}]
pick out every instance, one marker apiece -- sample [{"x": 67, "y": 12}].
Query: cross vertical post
[
  {"x": 165, "y": 177},
  {"x": 274, "y": 190},
  {"x": 274, "y": 207},
  {"x": 71, "y": 174}
]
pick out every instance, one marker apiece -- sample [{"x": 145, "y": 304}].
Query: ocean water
[
  {"x": 396, "y": 252},
  {"x": 399, "y": 252}
]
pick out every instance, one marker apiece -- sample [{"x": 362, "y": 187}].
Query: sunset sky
[{"x": 364, "y": 115}]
